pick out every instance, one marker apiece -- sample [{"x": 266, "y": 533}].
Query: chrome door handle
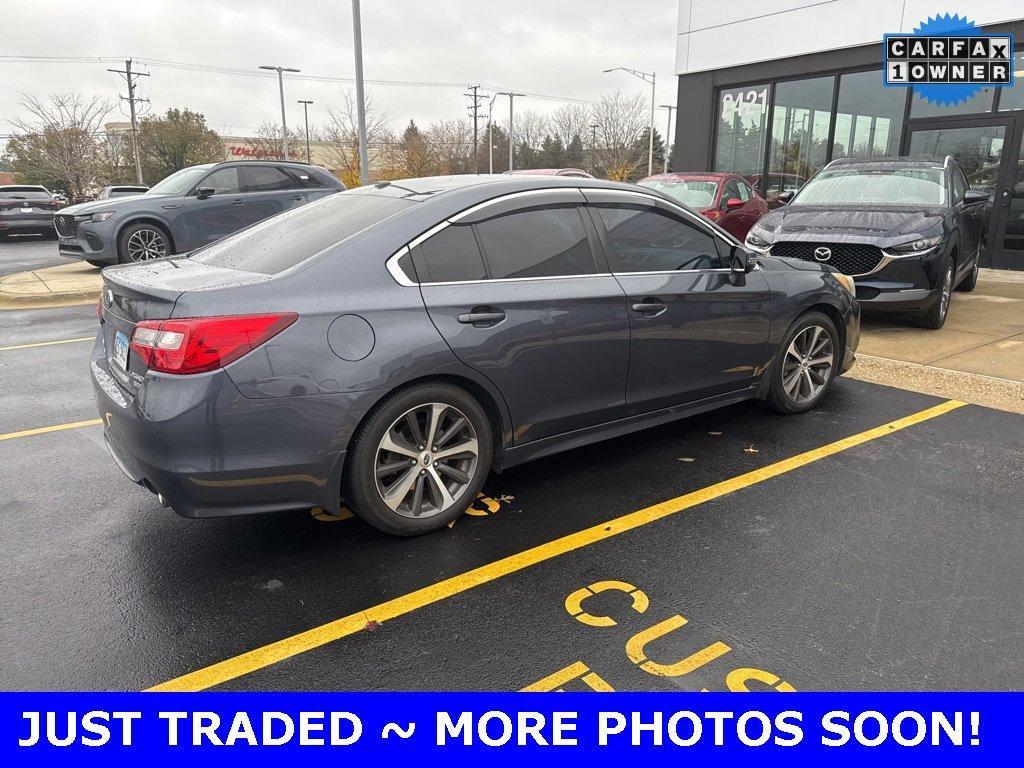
[
  {"x": 481, "y": 319},
  {"x": 650, "y": 307}
]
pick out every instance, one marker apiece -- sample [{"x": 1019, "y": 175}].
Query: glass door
[{"x": 989, "y": 149}]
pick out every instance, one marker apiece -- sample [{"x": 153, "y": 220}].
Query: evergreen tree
[{"x": 575, "y": 152}]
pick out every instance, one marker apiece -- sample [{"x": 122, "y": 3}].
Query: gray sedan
[
  {"x": 189, "y": 209},
  {"x": 390, "y": 345}
]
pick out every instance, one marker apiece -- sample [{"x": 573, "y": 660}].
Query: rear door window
[
  {"x": 647, "y": 240},
  {"x": 224, "y": 181},
  {"x": 266, "y": 178},
  {"x": 542, "y": 242},
  {"x": 452, "y": 255}
]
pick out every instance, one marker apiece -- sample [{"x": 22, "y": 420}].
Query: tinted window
[
  {"x": 801, "y": 114},
  {"x": 652, "y": 241},
  {"x": 15, "y": 193},
  {"x": 223, "y": 181},
  {"x": 740, "y": 132},
  {"x": 732, "y": 190},
  {"x": 283, "y": 241},
  {"x": 449, "y": 256},
  {"x": 868, "y": 117},
  {"x": 266, "y": 178},
  {"x": 539, "y": 243},
  {"x": 306, "y": 178}
]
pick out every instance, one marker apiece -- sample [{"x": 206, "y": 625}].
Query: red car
[{"x": 723, "y": 198}]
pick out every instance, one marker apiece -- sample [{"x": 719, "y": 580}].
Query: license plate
[
  {"x": 121, "y": 350},
  {"x": 26, "y": 210}
]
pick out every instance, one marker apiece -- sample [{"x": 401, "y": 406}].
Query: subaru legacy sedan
[
  {"x": 189, "y": 209},
  {"x": 388, "y": 346}
]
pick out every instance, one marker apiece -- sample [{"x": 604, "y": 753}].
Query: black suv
[{"x": 908, "y": 230}]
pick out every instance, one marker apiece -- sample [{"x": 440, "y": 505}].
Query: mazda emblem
[{"x": 822, "y": 254}]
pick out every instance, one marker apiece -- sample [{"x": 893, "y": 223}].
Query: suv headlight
[
  {"x": 757, "y": 242},
  {"x": 920, "y": 245},
  {"x": 102, "y": 216}
]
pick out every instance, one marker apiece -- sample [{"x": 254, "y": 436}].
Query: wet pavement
[{"x": 892, "y": 564}]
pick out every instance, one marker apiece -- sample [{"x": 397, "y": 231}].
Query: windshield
[
  {"x": 182, "y": 181},
  {"x": 25, "y": 194},
  {"x": 696, "y": 194},
  {"x": 865, "y": 186},
  {"x": 282, "y": 241}
]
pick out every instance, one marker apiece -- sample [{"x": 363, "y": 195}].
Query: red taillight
[{"x": 199, "y": 344}]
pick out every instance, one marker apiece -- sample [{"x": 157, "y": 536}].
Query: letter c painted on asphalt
[{"x": 574, "y": 602}]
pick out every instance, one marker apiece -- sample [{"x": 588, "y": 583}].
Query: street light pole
[
  {"x": 668, "y": 132},
  {"x": 357, "y": 38},
  {"x": 593, "y": 147},
  {"x": 490, "y": 134},
  {"x": 280, "y": 84},
  {"x": 647, "y": 77},
  {"x": 511, "y": 133},
  {"x": 305, "y": 112}
]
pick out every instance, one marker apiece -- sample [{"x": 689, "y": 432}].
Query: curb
[
  {"x": 35, "y": 289},
  {"x": 48, "y": 300}
]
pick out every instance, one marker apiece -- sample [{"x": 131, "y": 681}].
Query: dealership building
[{"x": 775, "y": 89}]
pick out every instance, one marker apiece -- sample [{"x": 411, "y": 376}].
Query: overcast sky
[{"x": 554, "y": 47}]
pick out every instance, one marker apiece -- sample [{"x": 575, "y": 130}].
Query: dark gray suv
[
  {"x": 189, "y": 209},
  {"x": 391, "y": 344}
]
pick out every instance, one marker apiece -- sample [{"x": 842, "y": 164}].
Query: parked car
[
  {"x": 391, "y": 344},
  {"x": 189, "y": 209},
  {"x": 778, "y": 184},
  {"x": 909, "y": 231},
  {"x": 571, "y": 172},
  {"x": 123, "y": 190},
  {"x": 723, "y": 198},
  {"x": 26, "y": 209}
]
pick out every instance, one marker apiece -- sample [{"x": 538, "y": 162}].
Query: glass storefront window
[
  {"x": 869, "y": 116},
  {"x": 740, "y": 130},
  {"x": 801, "y": 116},
  {"x": 1013, "y": 98},
  {"x": 979, "y": 102}
]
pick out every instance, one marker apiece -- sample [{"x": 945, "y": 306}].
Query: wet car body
[
  {"x": 271, "y": 430},
  {"x": 733, "y": 205}
]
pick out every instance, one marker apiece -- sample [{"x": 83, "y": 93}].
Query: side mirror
[
  {"x": 204, "y": 192},
  {"x": 733, "y": 203},
  {"x": 785, "y": 197},
  {"x": 741, "y": 260},
  {"x": 975, "y": 196}
]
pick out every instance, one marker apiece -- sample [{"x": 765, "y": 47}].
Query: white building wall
[{"x": 713, "y": 34}]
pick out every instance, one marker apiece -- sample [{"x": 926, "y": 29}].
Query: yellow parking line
[
  {"x": 46, "y": 343},
  {"x": 54, "y": 428},
  {"x": 334, "y": 630}
]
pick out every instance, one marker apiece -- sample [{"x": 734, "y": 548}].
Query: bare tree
[
  {"x": 268, "y": 143},
  {"x": 569, "y": 121},
  {"x": 451, "y": 146},
  {"x": 61, "y": 142},
  {"x": 342, "y": 134},
  {"x": 620, "y": 121},
  {"x": 528, "y": 128}
]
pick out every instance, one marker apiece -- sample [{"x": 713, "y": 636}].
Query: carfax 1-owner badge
[{"x": 948, "y": 60}]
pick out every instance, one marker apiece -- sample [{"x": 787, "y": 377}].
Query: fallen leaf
[
  {"x": 687, "y": 459},
  {"x": 372, "y": 626},
  {"x": 715, "y": 434},
  {"x": 506, "y": 499},
  {"x": 750, "y": 449}
]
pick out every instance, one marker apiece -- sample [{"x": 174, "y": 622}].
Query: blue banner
[{"x": 255, "y": 729}]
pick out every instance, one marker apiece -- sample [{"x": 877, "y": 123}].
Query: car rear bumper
[
  {"x": 209, "y": 452},
  {"x": 36, "y": 223}
]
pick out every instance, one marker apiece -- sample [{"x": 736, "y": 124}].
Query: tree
[
  {"x": 342, "y": 136},
  {"x": 177, "y": 140},
  {"x": 268, "y": 144},
  {"x": 415, "y": 152},
  {"x": 450, "y": 145},
  {"x": 552, "y": 153},
  {"x": 60, "y": 144},
  {"x": 619, "y": 120},
  {"x": 569, "y": 121},
  {"x": 575, "y": 153},
  {"x": 641, "y": 150}
]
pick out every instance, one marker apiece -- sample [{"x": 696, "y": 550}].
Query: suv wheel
[
  {"x": 142, "y": 242},
  {"x": 419, "y": 460},
  {"x": 968, "y": 283},
  {"x": 805, "y": 364},
  {"x": 935, "y": 316}
]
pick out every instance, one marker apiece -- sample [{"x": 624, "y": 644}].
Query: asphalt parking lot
[{"x": 875, "y": 543}]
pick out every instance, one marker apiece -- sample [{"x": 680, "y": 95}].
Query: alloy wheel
[
  {"x": 808, "y": 364},
  {"x": 146, "y": 244},
  {"x": 425, "y": 460}
]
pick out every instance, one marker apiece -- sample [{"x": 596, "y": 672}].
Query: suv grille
[
  {"x": 848, "y": 258},
  {"x": 66, "y": 225}
]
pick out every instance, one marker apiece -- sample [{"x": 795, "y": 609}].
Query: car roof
[
  {"x": 692, "y": 176},
  {"x": 428, "y": 187},
  {"x": 897, "y": 161},
  {"x": 23, "y": 187},
  {"x": 266, "y": 162},
  {"x": 547, "y": 172}
]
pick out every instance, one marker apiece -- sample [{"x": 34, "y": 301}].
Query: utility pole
[
  {"x": 357, "y": 39},
  {"x": 511, "y": 133},
  {"x": 305, "y": 111},
  {"x": 280, "y": 84},
  {"x": 475, "y": 107},
  {"x": 129, "y": 77},
  {"x": 593, "y": 147},
  {"x": 668, "y": 132},
  {"x": 647, "y": 77},
  {"x": 490, "y": 134}
]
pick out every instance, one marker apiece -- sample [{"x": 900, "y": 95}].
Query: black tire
[
  {"x": 123, "y": 256},
  {"x": 935, "y": 316},
  {"x": 968, "y": 283},
  {"x": 778, "y": 397},
  {"x": 361, "y": 487}
]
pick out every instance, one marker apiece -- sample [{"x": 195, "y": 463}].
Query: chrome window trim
[
  {"x": 512, "y": 195},
  {"x": 396, "y": 271}
]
